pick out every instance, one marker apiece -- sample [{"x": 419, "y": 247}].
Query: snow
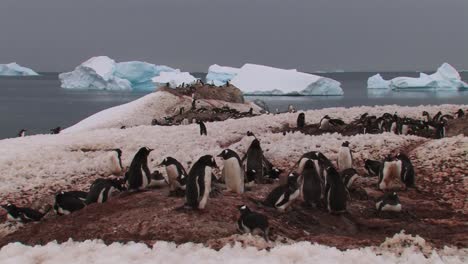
[
  {"x": 103, "y": 73},
  {"x": 220, "y": 75},
  {"x": 265, "y": 80},
  {"x": 445, "y": 78},
  {"x": 14, "y": 69},
  {"x": 96, "y": 251},
  {"x": 175, "y": 79}
]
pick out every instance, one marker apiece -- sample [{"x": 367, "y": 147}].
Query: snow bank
[
  {"x": 14, "y": 69},
  {"x": 103, "y": 73},
  {"x": 174, "y": 79},
  {"x": 445, "y": 78},
  {"x": 259, "y": 79},
  {"x": 96, "y": 251},
  {"x": 220, "y": 75}
]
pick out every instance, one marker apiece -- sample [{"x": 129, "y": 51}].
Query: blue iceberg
[{"x": 14, "y": 69}]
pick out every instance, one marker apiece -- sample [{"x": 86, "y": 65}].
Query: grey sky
[{"x": 57, "y": 35}]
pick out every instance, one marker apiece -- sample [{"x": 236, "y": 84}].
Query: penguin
[
  {"x": 116, "y": 161},
  {"x": 460, "y": 113},
  {"x": 345, "y": 157},
  {"x": 66, "y": 203},
  {"x": 22, "y": 214},
  {"x": 390, "y": 173},
  {"x": 78, "y": 194},
  {"x": 199, "y": 182},
  {"x": 275, "y": 173},
  {"x": 440, "y": 130},
  {"x": 436, "y": 118},
  {"x": 312, "y": 155},
  {"x": 426, "y": 116},
  {"x": 282, "y": 196},
  {"x": 349, "y": 176},
  {"x": 176, "y": 175},
  {"x": 372, "y": 167},
  {"x": 291, "y": 109},
  {"x": 336, "y": 194},
  {"x": 301, "y": 120},
  {"x": 325, "y": 123},
  {"x": 311, "y": 185},
  {"x": 250, "y": 221},
  {"x": 55, "y": 130},
  {"x": 138, "y": 175},
  {"x": 157, "y": 180},
  {"x": 102, "y": 190},
  {"x": 407, "y": 170},
  {"x": 202, "y": 128},
  {"x": 254, "y": 163},
  {"x": 22, "y": 133},
  {"x": 185, "y": 122},
  {"x": 233, "y": 172},
  {"x": 389, "y": 202}
]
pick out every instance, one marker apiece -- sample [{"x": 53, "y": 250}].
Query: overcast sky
[{"x": 57, "y": 35}]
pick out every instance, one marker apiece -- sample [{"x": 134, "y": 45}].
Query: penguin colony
[{"x": 315, "y": 180}]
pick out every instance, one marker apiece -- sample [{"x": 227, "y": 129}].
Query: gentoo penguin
[
  {"x": 460, "y": 113},
  {"x": 291, "y": 109},
  {"x": 282, "y": 196},
  {"x": 233, "y": 173},
  {"x": 407, "y": 170},
  {"x": 312, "y": 155},
  {"x": 254, "y": 163},
  {"x": 22, "y": 214},
  {"x": 250, "y": 221},
  {"x": 436, "y": 118},
  {"x": 66, "y": 203},
  {"x": 176, "y": 175},
  {"x": 336, "y": 194},
  {"x": 116, "y": 161},
  {"x": 202, "y": 127},
  {"x": 345, "y": 158},
  {"x": 157, "y": 180},
  {"x": 138, "y": 175},
  {"x": 301, "y": 120},
  {"x": 275, "y": 173},
  {"x": 311, "y": 185},
  {"x": 78, "y": 194},
  {"x": 390, "y": 173},
  {"x": 389, "y": 202},
  {"x": 199, "y": 182},
  {"x": 349, "y": 176},
  {"x": 55, "y": 130},
  {"x": 440, "y": 130},
  {"x": 372, "y": 167},
  {"x": 325, "y": 123},
  {"x": 22, "y": 133},
  {"x": 103, "y": 189},
  {"x": 426, "y": 116}
]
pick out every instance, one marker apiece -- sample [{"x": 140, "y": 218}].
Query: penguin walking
[
  {"x": 389, "y": 202},
  {"x": 116, "y": 161},
  {"x": 250, "y": 221},
  {"x": 55, "y": 130},
  {"x": 345, "y": 157},
  {"x": 22, "y": 214},
  {"x": 203, "y": 131},
  {"x": 138, "y": 175},
  {"x": 282, "y": 196},
  {"x": 176, "y": 175},
  {"x": 22, "y": 133},
  {"x": 199, "y": 182},
  {"x": 390, "y": 173},
  {"x": 233, "y": 172},
  {"x": 372, "y": 167},
  {"x": 407, "y": 170},
  {"x": 66, "y": 203},
  {"x": 102, "y": 190},
  {"x": 336, "y": 194},
  {"x": 311, "y": 185},
  {"x": 301, "y": 120}
]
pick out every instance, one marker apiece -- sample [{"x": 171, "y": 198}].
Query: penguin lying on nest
[
  {"x": 327, "y": 123},
  {"x": 250, "y": 221},
  {"x": 23, "y": 214}
]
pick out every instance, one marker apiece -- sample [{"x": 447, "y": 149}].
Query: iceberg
[
  {"x": 220, "y": 75},
  {"x": 445, "y": 78},
  {"x": 255, "y": 79},
  {"x": 103, "y": 73},
  {"x": 14, "y": 69},
  {"x": 174, "y": 79}
]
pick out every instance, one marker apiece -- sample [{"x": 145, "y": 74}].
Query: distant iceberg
[
  {"x": 174, "y": 79},
  {"x": 14, "y": 69},
  {"x": 445, "y": 78},
  {"x": 255, "y": 79},
  {"x": 103, "y": 73},
  {"x": 220, "y": 75}
]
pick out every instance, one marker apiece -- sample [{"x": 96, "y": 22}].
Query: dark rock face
[{"x": 229, "y": 93}]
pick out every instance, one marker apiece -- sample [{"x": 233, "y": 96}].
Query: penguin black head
[
  {"x": 326, "y": 117},
  {"x": 388, "y": 158},
  {"x": 255, "y": 144},
  {"x": 227, "y": 154},
  {"x": 145, "y": 151},
  {"x": 9, "y": 207},
  {"x": 309, "y": 164},
  {"x": 250, "y": 134},
  {"x": 345, "y": 144},
  {"x": 119, "y": 152},
  {"x": 243, "y": 209},
  {"x": 425, "y": 113},
  {"x": 275, "y": 173},
  {"x": 209, "y": 161}
]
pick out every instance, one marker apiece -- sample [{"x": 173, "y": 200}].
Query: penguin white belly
[
  {"x": 404, "y": 130},
  {"x": 204, "y": 199},
  {"x": 233, "y": 177},
  {"x": 292, "y": 197},
  {"x": 13, "y": 219},
  {"x": 388, "y": 207},
  {"x": 101, "y": 196},
  {"x": 172, "y": 175},
  {"x": 325, "y": 124},
  {"x": 344, "y": 159},
  {"x": 144, "y": 179},
  {"x": 302, "y": 162},
  {"x": 351, "y": 181},
  {"x": 393, "y": 128},
  {"x": 391, "y": 175},
  {"x": 115, "y": 165}
]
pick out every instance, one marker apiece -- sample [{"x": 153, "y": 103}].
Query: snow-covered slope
[
  {"x": 14, "y": 69},
  {"x": 220, "y": 75}
]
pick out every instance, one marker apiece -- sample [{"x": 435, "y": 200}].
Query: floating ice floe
[
  {"x": 14, "y": 69},
  {"x": 103, "y": 73},
  {"x": 445, "y": 78},
  {"x": 174, "y": 79},
  {"x": 263, "y": 80},
  {"x": 220, "y": 75}
]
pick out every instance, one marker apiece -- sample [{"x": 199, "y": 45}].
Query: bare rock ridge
[{"x": 228, "y": 93}]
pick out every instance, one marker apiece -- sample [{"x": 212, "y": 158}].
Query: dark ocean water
[{"x": 39, "y": 104}]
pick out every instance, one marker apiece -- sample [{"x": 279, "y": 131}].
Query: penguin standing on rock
[
  {"x": 22, "y": 133},
  {"x": 407, "y": 170},
  {"x": 389, "y": 202},
  {"x": 177, "y": 176},
  {"x": 336, "y": 194},
  {"x": 311, "y": 185},
  {"x": 345, "y": 157},
  {"x": 138, "y": 175},
  {"x": 301, "y": 120},
  {"x": 22, "y": 214},
  {"x": 250, "y": 221},
  {"x": 202, "y": 128},
  {"x": 199, "y": 182},
  {"x": 233, "y": 172},
  {"x": 67, "y": 202}
]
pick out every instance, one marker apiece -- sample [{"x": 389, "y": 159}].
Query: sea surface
[{"x": 37, "y": 103}]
